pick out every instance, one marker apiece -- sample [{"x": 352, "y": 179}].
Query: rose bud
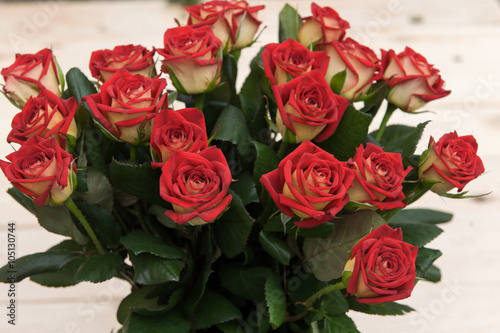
[
  {"x": 285, "y": 61},
  {"x": 126, "y": 105},
  {"x": 325, "y": 25},
  {"x": 42, "y": 170},
  {"x": 191, "y": 57},
  {"x": 381, "y": 267},
  {"x": 379, "y": 177},
  {"x": 181, "y": 130},
  {"x": 45, "y": 116},
  {"x": 452, "y": 161},
  {"x": 233, "y": 22},
  {"x": 196, "y": 185},
  {"x": 134, "y": 58},
  {"x": 360, "y": 62},
  {"x": 309, "y": 183},
  {"x": 412, "y": 81},
  {"x": 308, "y": 107},
  {"x": 28, "y": 74}
]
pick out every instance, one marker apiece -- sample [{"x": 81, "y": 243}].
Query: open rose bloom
[
  {"x": 235, "y": 23},
  {"x": 325, "y": 25},
  {"x": 192, "y": 58},
  {"x": 452, "y": 162},
  {"x": 196, "y": 185},
  {"x": 412, "y": 80},
  {"x": 308, "y": 107},
  {"x": 309, "y": 183},
  {"x": 360, "y": 62},
  {"x": 134, "y": 58},
  {"x": 290, "y": 59},
  {"x": 45, "y": 115},
  {"x": 181, "y": 130},
  {"x": 29, "y": 74},
  {"x": 42, "y": 170},
  {"x": 379, "y": 178},
  {"x": 126, "y": 105},
  {"x": 382, "y": 267}
]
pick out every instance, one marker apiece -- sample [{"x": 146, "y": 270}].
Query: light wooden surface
[{"x": 461, "y": 37}]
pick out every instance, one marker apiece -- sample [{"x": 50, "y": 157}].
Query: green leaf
[
  {"x": 58, "y": 220},
  {"x": 275, "y": 299},
  {"x": 425, "y": 259},
  {"x": 290, "y": 22},
  {"x": 401, "y": 139},
  {"x": 159, "y": 212},
  {"x": 151, "y": 269},
  {"x": 349, "y": 135},
  {"x": 213, "y": 309},
  {"x": 64, "y": 277},
  {"x": 197, "y": 289},
  {"x": 232, "y": 126},
  {"x": 233, "y": 228},
  {"x": 337, "y": 81},
  {"x": 22, "y": 198},
  {"x": 99, "y": 190},
  {"x": 139, "y": 241},
  {"x": 417, "y": 234},
  {"x": 137, "y": 299},
  {"x": 321, "y": 231},
  {"x": 374, "y": 98},
  {"x": 99, "y": 267},
  {"x": 139, "y": 180},
  {"x": 36, "y": 263},
  {"x": 275, "y": 247},
  {"x": 381, "y": 309},
  {"x": 266, "y": 161},
  {"x": 339, "y": 324},
  {"x": 103, "y": 223},
  {"x": 432, "y": 274},
  {"x": 334, "y": 304},
  {"x": 78, "y": 84},
  {"x": 170, "y": 322},
  {"x": 99, "y": 148},
  {"x": 462, "y": 195},
  {"x": 421, "y": 215},
  {"x": 244, "y": 186},
  {"x": 246, "y": 282},
  {"x": 326, "y": 257}
]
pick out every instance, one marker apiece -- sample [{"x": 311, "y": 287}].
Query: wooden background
[{"x": 460, "y": 37}]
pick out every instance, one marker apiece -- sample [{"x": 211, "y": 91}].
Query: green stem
[
  {"x": 310, "y": 301},
  {"x": 78, "y": 214},
  {"x": 133, "y": 152},
  {"x": 282, "y": 150},
  {"x": 138, "y": 213},
  {"x": 314, "y": 327},
  {"x": 388, "y": 113},
  {"x": 199, "y": 101},
  {"x": 122, "y": 223}
]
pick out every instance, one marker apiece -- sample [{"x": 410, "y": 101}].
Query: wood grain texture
[{"x": 460, "y": 37}]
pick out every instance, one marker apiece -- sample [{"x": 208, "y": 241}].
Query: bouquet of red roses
[{"x": 269, "y": 207}]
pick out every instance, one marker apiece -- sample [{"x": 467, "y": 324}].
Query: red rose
[
  {"x": 126, "y": 105},
  {"x": 285, "y": 61},
  {"x": 383, "y": 267},
  {"x": 45, "y": 116},
  {"x": 42, "y": 170},
  {"x": 413, "y": 81},
  {"x": 181, "y": 130},
  {"x": 28, "y": 74},
  {"x": 309, "y": 183},
  {"x": 233, "y": 22},
  {"x": 134, "y": 58},
  {"x": 452, "y": 161},
  {"x": 360, "y": 62},
  {"x": 308, "y": 107},
  {"x": 379, "y": 177},
  {"x": 191, "y": 58},
  {"x": 325, "y": 25},
  {"x": 196, "y": 185}
]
